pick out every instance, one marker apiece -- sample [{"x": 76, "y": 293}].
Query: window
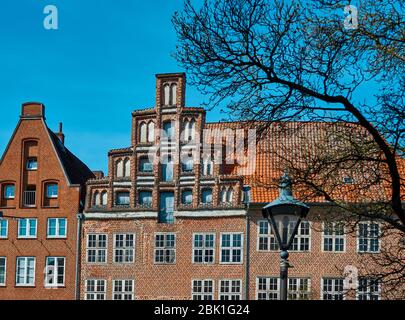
[
  {"x": 267, "y": 288},
  {"x": 143, "y": 132},
  {"x": 56, "y": 228},
  {"x": 9, "y": 191},
  {"x": 231, "y": 248},
  {"x": 332, "y": 289},
  {"x": 333, "y": 237},
  {"x": 104, "y": 197},
  {"x": 3, "y": 271},
  {"x": 230, "y": 290},
  {"x": 145, "y": 198},
  {"x": 173, "y": 94},
  {"x": 51, "y": 190},
  {"x": 127, "y": 168},
  {"x": 208, "y": 167},
  {"x": 266, "y": 238},
  {"x": 187, "y": 197},
  {"x": 123, "y": 290},
  {"x": 97, "y": 199},
  {"x": 96, "y": 289},
  {"x": 189, "y": 130},
  {"x": 298, "y": 289},
  {"x": 206, "y": 197},
  {"x": 32, "y": 163},
  {"x": 25, "y": 273},
  {"x": 368, "y": 289},
  {"x": 151, "y": 131},
  {"x": 124, "y": 248},
  {"x": 368, "y": 237},
  {"x": 301, "y": 240},
  {"x": 122, "y": 198},
  {"x": 187, "y": 165},
  {"x": 3, "y": 228},
  {"x": 168, "y": 130},
  {"x": 166, "y": 212},
  {"x": 55, "y": 272},
  {"x": 167, "y": 170},
  {"x": 145, "y": 165},
  {"x": 97, "y": 248},
  {"x": 204, "y": 248},
  {"x": 27, "y": 228},
  {"x": 165, "y": 248},
  {"x": 203, "y": 290},
  {"x": 119, "y": 169},
  {"x": 226, "y": 195},
  {"x": 166, "y": 94}
]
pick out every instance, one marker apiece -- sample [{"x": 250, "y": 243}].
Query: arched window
[
  {"x": 104, "y": 198},
  {"x": 97, "y": 199},
  {"x": 151, "y": 131},
  {"x": 208, "y": 167},
  {"x": 173, "y": 94},
  {"x": 119, "y": 168},
  {"x": 143, "y": 132},
  {"x": 206, "y": 196},
  {"x": 127, "y": 167},
  {"x": 166, "y": 94},
  {"x": 229, "y": 195},
  {"x": 223, "y": 195}
]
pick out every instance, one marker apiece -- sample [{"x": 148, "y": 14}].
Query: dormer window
[{"x": 32, "y": 163}]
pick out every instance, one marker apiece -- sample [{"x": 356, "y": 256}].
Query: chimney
[
  {"x": 31, "y": 110},
  {"x": 60, "y": 134}
]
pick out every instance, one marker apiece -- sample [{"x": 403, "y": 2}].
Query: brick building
[
  {"x": 172, "y": 220},
  {"x": 42, "y": 191}
]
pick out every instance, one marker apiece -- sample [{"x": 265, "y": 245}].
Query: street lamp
[{"x": 285, "y": 215}]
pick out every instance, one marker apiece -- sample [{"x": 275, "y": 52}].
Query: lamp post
[{"x": 284, "y": 215}]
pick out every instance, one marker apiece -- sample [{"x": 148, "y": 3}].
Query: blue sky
[{"x": 91, "y": 72}]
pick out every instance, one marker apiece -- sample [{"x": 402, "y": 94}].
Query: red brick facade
[
  {"x": 108, "y": 216},
  {"x": 34, "y": 160}
]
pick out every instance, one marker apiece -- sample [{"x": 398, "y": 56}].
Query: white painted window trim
[
  {"x": 27, "y": 229},
  {"x": 25, "y": 284},
  {"x": 132, "y": 293},
  {"x": 203, "y": 293},
  {"x": 57, "y": 236},
  {"x": 230, "y": 293},
  {"x": 125, "y": 234},
  {"x": 333, "y": 237},
  {"x": 95, "y": 287},
  {"x": 368, "y": 290},
  {"x": 368, "y": 239},
  {"x": 165, "y": 234},
  {"x": 231, "y": 248},
  {"x": 268, "y": 291},
  {"x": 3, "y": 284},
  {"x": 55, "y": 276},
  {"x": 6, "y": 236},
  {"x": 204, "y": 234},
  {"x": 333, "y": 291},
  {"x": 97, "y": 249}
]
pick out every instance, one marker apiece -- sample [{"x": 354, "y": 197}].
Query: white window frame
[
  {"x": 25, "y": 284},
  {"x": 203, "y": 293},
  {"x": 203, "y": 248},
  {"x": 27, "y": 229},
  {"x": 51, "y": 196},
  {"x": 333, "y": 292},
  {"x": 368, "y": 238},
  {"x": 57, "y": 236},
  {"x": 55, "y": 276},
  {"x": 3, "y": 284},
  {"x": 299, "y": 293},
  {"x": 367, "y": 293},
  {"x": 6, "y": 236},
  {"x": 334, "y": 236},
  {"x": 124, "y": 248},
  {"x": 299, "y": 238},
  {"x": 230, "y": 293},
  {"x": 124, "y": 292},
  {"x": 95, "y": 293},
  {"x": 268, "y": 291},
  {"x": 270, "y": 235},
  {"x": 97, "y": 249},
  {"x": 5, "y": 191},
  {"x": 231, "y": 248},
  {"x": 164, "y": 248}
]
